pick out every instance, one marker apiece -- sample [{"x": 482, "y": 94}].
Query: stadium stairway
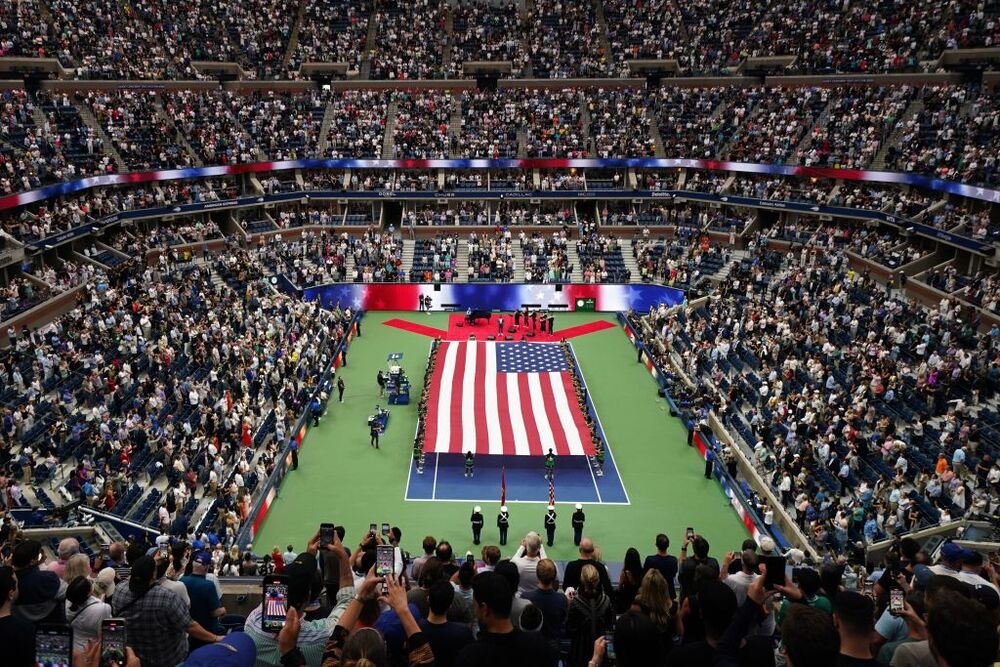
[
  {"x": 806, "y": 141},
  {"x": 324, "y": 130},
  {"x": 388, "y": 145},
  {"x": 180, "y": 138},
  {"x": 878, "y": 162},
  {"x": 518, "y": 261},
  {"x": 632, "y": 266},
  {"x": 735, "y": 258},
  {"x": 409, "y": 247},
  {"x": 574, "y": 260},
  {"x": 455, "y": 128},
  {"x": 293, "y": 40},
  {"x": 654, "y": 133},
  {"x": 462, "y": 262},
  {"x": 109, "y": 148}
]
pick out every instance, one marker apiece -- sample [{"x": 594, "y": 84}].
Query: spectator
[
  {"x": 663, "y": 562},
  {"x": 550, "y": 601},
  {"x": 447, "y": 638},
  {"x": 68, "y": 547},
  {"x": 158, "y": 622},
  {"x": 528, "y": 554},
  {"x": 590, "y": 615},
  {"x": 853, "y": 615},
  {"x": 40, "y": 593},
  {"x": 16, "y": 634},
  {"x": 571, "y": 579},
  {"x": 629, "y": 581},
  {"x": 687, "y": 565},
  {"x": 653, "y": 602},
  {"x": 429, "y": 545},
  {"x": 84, "y": 612},
  {"x": 499, "y": 642},
  {"x": 206, "y": 608},
  {"x": 961, "y": 632},
  {"x": 809, "y": 638}
]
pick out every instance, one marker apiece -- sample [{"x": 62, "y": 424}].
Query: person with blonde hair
[
  {"x": 590, "y": 616},
  {"x": 654, "y": 602},
  {"x": 77, "y": 565}
]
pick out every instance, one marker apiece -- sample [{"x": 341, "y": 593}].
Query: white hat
[
  {"x": 552, "y": 507},
  {"x": 503, "y": 508},
  {"x": 477, "y": 508},
  {"x": 766, "y": 544},
  {"x": 579, "y": 506}
]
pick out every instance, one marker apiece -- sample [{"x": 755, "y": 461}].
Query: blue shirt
[{"x": 204, "y": 601}]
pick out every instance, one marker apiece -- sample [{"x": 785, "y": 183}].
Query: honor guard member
[
  {"x": 550, "y": 524},
  {"x": 470, "y": 463},
  {"x": 477, "y": 523},
  {"x": 578, "y": 519},
  {"x": 550, "y": 465},
  {"x": 503, "y": 523}
]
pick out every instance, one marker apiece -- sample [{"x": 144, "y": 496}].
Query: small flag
[
  {"x": 503, "y": 485},
  {"x": 552, "y": 489}
]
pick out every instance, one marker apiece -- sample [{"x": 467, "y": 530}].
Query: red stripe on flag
[
  {"x": 503, "y": 410},
  {"x": 549, "y": 399},
  {"x": 458, "y": 390},
  {"x": 535, "y": 445},
  {"x": 578, "y": 418},
  {"x": 431, "y": 422},
  {"x": 479, "y": 398}
]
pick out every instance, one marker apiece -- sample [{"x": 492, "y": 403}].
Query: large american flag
[{"x": 504, "y": 398}]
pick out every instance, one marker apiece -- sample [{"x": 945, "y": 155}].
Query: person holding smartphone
[
  {"x": 304, "y": 585},
  {"x": 157, "y": 620}
]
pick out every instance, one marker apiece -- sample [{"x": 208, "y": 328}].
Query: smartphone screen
[
  {"x": 325, "y": 535},
  {"x": 690, "y": 533},
  {"x": 609, "y": 646},
  {"x": 385, "y": 529},
  {"x": 53, "y": 646},
  {"x": 775, "y": 571},
  {"x": 275, "y": 604},
  {"x": 112, "y": 642},
  {"x": 372, "y": 527},
  {"x": 164, "y": 551},
  {"x": 470, "y": 559},
  {"x": 385, "y": 561},
  {"x": 895, "y": 601}
]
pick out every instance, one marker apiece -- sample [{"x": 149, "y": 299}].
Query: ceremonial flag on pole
[
  {"x": 503, "y": 485},
  {"x": 552, "y": 489}
]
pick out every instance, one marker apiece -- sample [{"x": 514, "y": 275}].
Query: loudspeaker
[{"x": 487, "y": 82}]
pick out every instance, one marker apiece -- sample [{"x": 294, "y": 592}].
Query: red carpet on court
[{"x": 459, "y": 330}]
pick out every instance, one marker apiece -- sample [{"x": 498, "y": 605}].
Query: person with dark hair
[
  {"x": 40, "y": 592},
  {"x": 716, "y": 607},
  {"x": 84, "y": 612},
  {"x": 806, "y": 592},
  {"x": 687, "y": 565},
  {"x": 809, "y": 639},
  {"x": 447, "y": 639},
  {"x": 854, "y": 616},
  {"x": 509, "y": 571},
  {"x": 628, "y": 581},
  {"x": 500, "y": 643},
  {"x": 429, "y": 544},
  {"x": 17, "y": 636},
  {"x": 961, "y": 633},
  {"x": 637, "y": 642},
  {"x": 157, "y": 622},
  {"x": 662, "y": 561}
]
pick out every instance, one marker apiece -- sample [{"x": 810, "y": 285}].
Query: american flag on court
[{"x": 504, "y": 398}]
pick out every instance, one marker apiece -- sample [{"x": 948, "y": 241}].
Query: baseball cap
[
  {"x": 235, "y": 650},
  {"x": 202, "y": 558},
  {"x": 986, "y": 595},
  {"x": 951, "y": 551},
  {"x": 391, "y": 627},
  {"x": 767, "y": 544},
  {"x": 26, "y": 554}
]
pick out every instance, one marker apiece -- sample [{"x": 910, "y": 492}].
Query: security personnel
[
  {"x": 470, "y": 462},
  {"x": 503, "y": 523},
  {"x": 477, "y": 523},
  {"x": 550, "y": 524},
  {"x": 578, "y": 519}
]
